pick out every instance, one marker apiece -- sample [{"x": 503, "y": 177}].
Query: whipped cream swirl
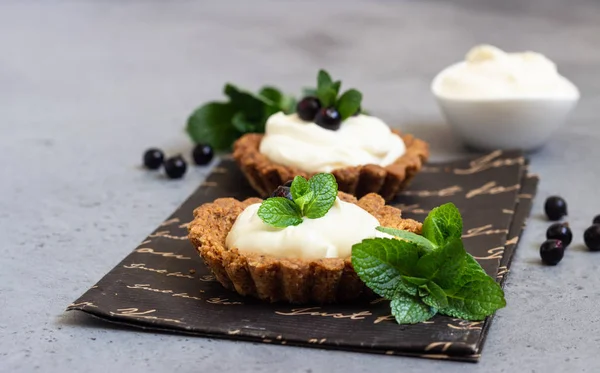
[
  {"x": 360, "y": 140},
  {"x": 330, "y": 236}
]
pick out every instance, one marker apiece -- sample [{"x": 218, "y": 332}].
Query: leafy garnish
[
  {"x": 328, "y": 90},
  {"x": 310, "y": 198},
  {"x": 219, "y": 124},
  {"x": 428, "y": 274}
]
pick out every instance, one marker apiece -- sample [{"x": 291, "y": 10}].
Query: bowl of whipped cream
[{"x": 498, "y": 100}]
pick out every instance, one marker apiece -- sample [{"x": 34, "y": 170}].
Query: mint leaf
[
  {"x": 304, "y": 201},
  {"x": 323, "y": 79},
  {"x": 272, "y": 94},
  {"x": 279, "y": 212},
  {"x": 336, "y": 87},
  {"x": 436, "y": 297},
  {"x": 309, "y": 92},
  {"x": 408, "y": 236},
  {"x": 478, "y": 298},
  {"x": 418, "y": 281},
  {"x": 327, "y": 95},
  {"x": 253, "y": 106},
  {"x": 211, "y": 124},
  {"x": 443, "y": 265},
  {"x": 380, "y": 263},
  {"x": 299, "y": 187},
  {"x": 410, "y": 310},
  {"x": 349, "y": 103},
  {"x": 281, "y": 102},
  {"x": 242, "y": 124},
  {"x": 325, "y": 190},
  {"x": 442, "y": 224}
]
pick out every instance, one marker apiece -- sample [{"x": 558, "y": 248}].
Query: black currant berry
[
  {"x": 282, "y": 191},
  {"x": 153, "y": 158},
  {"x": 308, "y": 108},
  {"x": 329, "y": 118},
  {"x": 175, "y": 167},
  {"x": 555, "y": 208},
  {"x": 552, "y": 252},
  {"x": 561, "y": 232},
  {"x": 596, "y": 220},
  {"x": 591, "y": 237},
  {"x": 203, "y": 154}
]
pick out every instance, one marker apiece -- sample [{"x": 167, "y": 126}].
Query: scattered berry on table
[
  {"x": 308, "y": 108},
  {"x": 552, "y": 252},
  {"x": 561, "y": 232},
  {"x": 203, "y": 154},
  {"x": 175, "y": 167},
  {"x": 153, "y": 158},
  {"x": 591, "y": 237},
  {"x": 555, "y": 208},
  {"x": 329, "y": 118}
]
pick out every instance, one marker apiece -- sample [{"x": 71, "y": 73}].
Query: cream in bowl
[{"x": 499, "y": 100}]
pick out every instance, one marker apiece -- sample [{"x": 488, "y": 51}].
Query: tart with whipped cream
[
  {"x": 294, "y": 247},
  {"x": 331, "y": 134}
]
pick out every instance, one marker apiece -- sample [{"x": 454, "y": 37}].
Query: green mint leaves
[
  {"x": 219, "y": 124},
  {"x": 310, "y": 198},
  {"x": 428, "y": 274},
  {"x": 328, "y": 90}
]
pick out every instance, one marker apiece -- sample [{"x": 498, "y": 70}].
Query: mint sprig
[
  {"x": 328, "y": 90},
  {"x": 219, "y": 124},
  {"x": 310, "y": 198},
  {"x": 428, "y": 274}
]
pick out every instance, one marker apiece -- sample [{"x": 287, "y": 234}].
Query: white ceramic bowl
[{"x": 489, "y": 124}]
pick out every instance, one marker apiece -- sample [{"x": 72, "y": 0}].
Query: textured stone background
[{"x": 86, "y": 87}]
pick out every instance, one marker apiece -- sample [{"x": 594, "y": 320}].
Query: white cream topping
[
  {"x": 361, "y": 140},
  {"x": 490, "y": 73},
  {"x": 330, "y": 236}
]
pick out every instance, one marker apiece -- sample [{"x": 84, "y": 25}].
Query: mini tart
[
  {"x": 274, "y": 279},
  {"x": 265, "y": 175}
]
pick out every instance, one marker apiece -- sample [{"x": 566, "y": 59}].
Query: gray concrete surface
[{"x": 85, "y": 87}]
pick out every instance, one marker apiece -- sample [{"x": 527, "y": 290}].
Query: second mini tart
[
  {"x": 279, "y": 279},
  {"x": 265, "y": 175}
]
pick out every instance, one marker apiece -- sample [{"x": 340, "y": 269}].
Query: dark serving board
[{"x": 164, "y": 285}]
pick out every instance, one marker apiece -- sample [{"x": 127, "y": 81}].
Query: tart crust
[
  {"x": 264, "y": 175},
  {"x": 274, "y": 279}
]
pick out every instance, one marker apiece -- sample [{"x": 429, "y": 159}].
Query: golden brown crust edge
[
  {"x": 265, "y": 175},
  {"x": 272, "y": 279}
]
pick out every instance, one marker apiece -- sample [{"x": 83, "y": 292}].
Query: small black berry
[
  {"x": 153, "y": 158},
  {"x": 308, "y": 108},
  {"x": 561, "y": 232},
  {"x": 329, "y": 118},
  {"x": 202, "y": 154},
  {"x": 175, "y": 167},
  {"x": 596, "y": 220},
  {"x": 282, "y": 191},
  {"x": 591, "y": 237},
  {"x": 552, "y": 252},
  {"x": 555, "y": 208}
]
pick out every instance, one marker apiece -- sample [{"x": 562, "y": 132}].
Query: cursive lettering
[
  {"x": 312, "y": 311},
  {"x": 147, "y": 250},
  {"x": 166, "y": 234},
  {"x": 484, "y": 230},
  {"x": 142, "y": 266},
  {"x": 450, "y": 191},
  {"x": 491, "y": 188}
]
